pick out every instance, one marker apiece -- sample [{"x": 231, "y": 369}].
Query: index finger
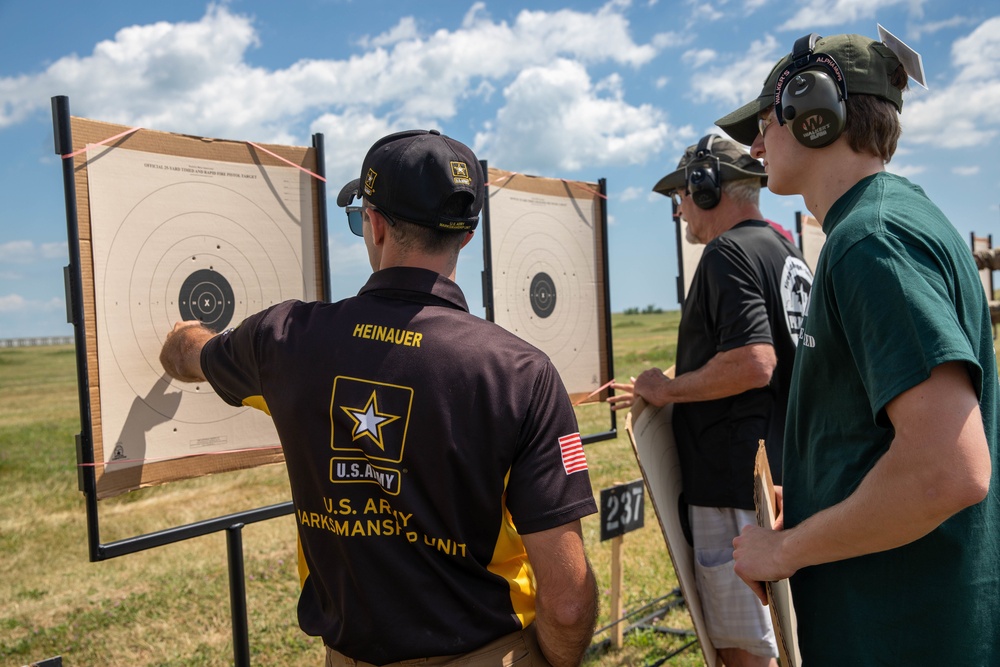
[{"x": 184, "y": 324}]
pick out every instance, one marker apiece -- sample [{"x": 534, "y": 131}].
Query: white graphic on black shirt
[
  {"x": 369, "y": 421},
  {"x": 796, "y": 284}
]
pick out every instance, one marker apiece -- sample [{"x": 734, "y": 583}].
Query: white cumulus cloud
[
  {"x": 26, "y": 252},
  {"x": 961, "y": 114},
  {"x": 195, "y": 77},
  {"x": 15, "y": 304},
  {"x": 734, "y": 80},
  {"x": 576, "y": 126},
  {"x": 815, "y": 14}
]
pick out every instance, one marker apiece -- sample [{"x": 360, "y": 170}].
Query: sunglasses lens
[{"x": 354, "y": 220}]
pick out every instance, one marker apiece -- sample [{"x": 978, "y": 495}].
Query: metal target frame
[{"x": 81, "y": 313}]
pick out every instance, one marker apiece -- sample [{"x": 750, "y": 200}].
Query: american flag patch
[{"x": 571, "y": 449}]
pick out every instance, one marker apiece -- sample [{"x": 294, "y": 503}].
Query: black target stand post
[{"x": 232, "y": 524}]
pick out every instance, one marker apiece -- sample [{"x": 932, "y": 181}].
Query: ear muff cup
[
  {"x": 809, "y": 96},
  {"x": 702, "y": 175},
  {"x": 812, "y": 107}
]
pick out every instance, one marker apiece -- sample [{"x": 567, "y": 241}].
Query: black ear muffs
[
  {"x": 702, "y": 175},
  {"x": 809, "y": 96}
]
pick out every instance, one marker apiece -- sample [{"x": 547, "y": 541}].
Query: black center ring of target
[
  {"x": 207, "y": 296},
  {"x": 542, "y": 295}
]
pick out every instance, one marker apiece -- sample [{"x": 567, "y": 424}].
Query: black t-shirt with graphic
[
  {"x": 751, "y": 286},
  {"x": 420, "y": 442}
]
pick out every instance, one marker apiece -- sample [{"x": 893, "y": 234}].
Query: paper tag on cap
[{"x": 912, "y": 62}]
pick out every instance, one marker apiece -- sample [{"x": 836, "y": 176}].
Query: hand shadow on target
[{"x": 130, "y": 446}]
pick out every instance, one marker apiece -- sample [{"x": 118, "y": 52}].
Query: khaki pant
[{"x": 518, "y": 649}]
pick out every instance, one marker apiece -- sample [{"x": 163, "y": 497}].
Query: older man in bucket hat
[
  {"x": 434, "y": 459},
  {"x": 735, "y": 349},
  {"x": 890, "y": 529}
]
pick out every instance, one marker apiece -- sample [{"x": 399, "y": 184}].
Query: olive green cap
[{"x": 868, "y": 67}]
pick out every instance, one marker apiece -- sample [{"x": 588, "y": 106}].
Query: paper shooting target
[
  {"x": 178, "y": 238},
  {"x": 191, "y": 250},
  {"x": 547, "y": 288},
  {"x": 544, "y": 291}
]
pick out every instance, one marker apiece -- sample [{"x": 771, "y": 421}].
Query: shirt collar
[{"x": 413, "y": 284}]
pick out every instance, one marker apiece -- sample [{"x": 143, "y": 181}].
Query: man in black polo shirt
[{"x": 434, "y": 458}]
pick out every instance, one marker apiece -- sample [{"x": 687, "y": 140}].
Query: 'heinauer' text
[{"x": 388, "y": 334}]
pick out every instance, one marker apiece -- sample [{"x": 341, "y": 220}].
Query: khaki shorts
[{"x": 518, "y": 649}]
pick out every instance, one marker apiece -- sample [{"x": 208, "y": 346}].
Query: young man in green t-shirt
[{"x": 891, "y": 520}]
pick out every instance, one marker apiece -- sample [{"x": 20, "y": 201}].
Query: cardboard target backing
[
  {"x": 811, "y": 238},
  {"x": 172, "y": 228},
  {"x": 546, "y": 261},
  {"x": 690, "y": 254},
  {"x": 979, "y": 243}
]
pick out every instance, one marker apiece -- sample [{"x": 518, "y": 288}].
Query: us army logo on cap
[
  {"x": 460, "y": 173},
  {"x": 370, "y": 181}
]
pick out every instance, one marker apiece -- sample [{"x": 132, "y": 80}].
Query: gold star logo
[{"x": 460, "y": 172}]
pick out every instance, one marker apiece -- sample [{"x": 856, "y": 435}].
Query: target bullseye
[
  {"x": 542, "y": 294},
  {"x": 206, "y": 295}
]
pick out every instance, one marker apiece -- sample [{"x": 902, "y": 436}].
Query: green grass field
[{"x": 170, "y": 605}]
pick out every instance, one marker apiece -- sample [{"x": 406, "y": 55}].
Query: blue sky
[{"x": 579, "y": 90}]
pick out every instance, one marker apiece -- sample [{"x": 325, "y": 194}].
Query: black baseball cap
[{"x": 413, "y": 174}]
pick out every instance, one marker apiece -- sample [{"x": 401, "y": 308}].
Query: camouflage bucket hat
[{"x": 734, "y": 164}]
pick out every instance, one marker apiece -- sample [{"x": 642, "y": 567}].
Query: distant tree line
[{"x": 648, "y": 310}]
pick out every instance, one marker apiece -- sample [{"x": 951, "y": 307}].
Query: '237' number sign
[{"x": 622, "y": 509}]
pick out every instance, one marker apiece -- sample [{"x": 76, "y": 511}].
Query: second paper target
[{"x": 544, "y": 288}]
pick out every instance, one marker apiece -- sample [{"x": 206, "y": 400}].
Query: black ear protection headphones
[
  {"x": 809, "y": 95},
  {"x": 702, "y": 175}
]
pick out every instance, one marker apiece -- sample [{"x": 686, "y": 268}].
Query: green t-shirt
[{"x": 896, "y": 293}]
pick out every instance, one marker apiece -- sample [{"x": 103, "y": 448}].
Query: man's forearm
[
  {"x": 880, "y": 515},
  {"x": 938, "y": 464},
  {"x": 726, "y": 374},
  {"x": 564, "y": 634},
  {"x": 729, "y": 373},
  {"x": 566, "y": 598},
  {"x": 889, "y": 509}
]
